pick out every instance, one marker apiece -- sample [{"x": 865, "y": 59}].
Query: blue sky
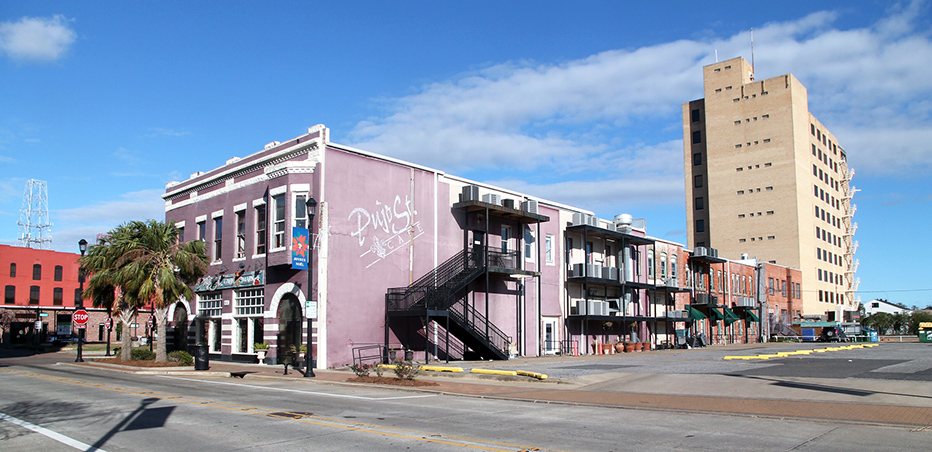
[{"x": 577, "y": 102}]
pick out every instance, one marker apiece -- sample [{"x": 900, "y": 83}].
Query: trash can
[{"x": 201, "y": 358}]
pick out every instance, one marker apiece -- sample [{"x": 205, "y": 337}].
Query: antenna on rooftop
[
  {"x": 34, "y": 226},
  {"x": 752, "y": 50}
]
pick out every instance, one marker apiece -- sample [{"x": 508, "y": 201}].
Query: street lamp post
[
  {"x": 309, "y": 359},
  {"x": 82, "y": 246}
]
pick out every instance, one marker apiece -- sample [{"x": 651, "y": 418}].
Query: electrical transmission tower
[{"x": 34, "y": 226}]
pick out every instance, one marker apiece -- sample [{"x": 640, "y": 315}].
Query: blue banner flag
[{"x": 299, "y": 248}]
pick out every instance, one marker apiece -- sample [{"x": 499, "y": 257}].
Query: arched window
[
  {"x": 36, "y": 272},
  {"x": 663, "y": 266}
]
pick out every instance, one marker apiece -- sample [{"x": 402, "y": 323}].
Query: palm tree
[
  {"x": 104, "y": 261},
  {"x": 158, "y": 268}
]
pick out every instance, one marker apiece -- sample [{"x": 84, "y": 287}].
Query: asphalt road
[{"x": 51, "y": 406}]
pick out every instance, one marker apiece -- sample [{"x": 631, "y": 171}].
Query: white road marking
[
  {"x": 54, "y": 435},
  {"x": 303, "y": 392}
]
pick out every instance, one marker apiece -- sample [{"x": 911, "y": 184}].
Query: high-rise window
[
  {"x": 278, "y": 222},
  {"x": 697, "y": 181},
  {"x": 700, "y": 226},
  {"x": 697, "y": 159},
  {"x": 300, "y": 210},
  {"x": 697, "y": 137},
  {"x": 695, "y": 115},
  {"x": 260, "y": 229},
  {"x": 218, "y": 238},
  {"x": 700, "y": 204},
  {"x": 241, "y": 234}
]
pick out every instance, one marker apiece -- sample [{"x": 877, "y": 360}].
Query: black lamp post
[
  {"x": 311, "y": 211},
  {"x": 82, "y": 246}
]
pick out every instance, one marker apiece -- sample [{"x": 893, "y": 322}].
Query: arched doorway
[
  {"x": 180, "y": 337},
  {"x": 289, "y": 325}
]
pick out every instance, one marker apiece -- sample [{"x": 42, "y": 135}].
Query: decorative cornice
[{"x": 231, "y": 174}]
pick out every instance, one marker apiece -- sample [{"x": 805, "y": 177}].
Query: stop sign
[{"x": 80, "y": 317}]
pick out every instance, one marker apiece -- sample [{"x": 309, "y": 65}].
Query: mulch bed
[
  {"x": 391, "y": 381},
  {"x": 136, "y": 363}
]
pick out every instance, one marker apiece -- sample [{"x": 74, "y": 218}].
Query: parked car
[{"x": 833, "y": 334}]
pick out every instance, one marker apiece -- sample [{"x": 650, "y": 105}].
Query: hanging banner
[{"x": 299, "y": 243}]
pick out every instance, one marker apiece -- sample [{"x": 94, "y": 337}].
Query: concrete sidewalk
[{"x": 903, "y": 403}]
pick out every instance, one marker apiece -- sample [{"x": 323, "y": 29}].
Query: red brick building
[{"x": 43, "y": 286}]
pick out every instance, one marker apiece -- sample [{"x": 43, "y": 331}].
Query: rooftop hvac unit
[
  {"x": 623, "y": 223},
  {"x": 594, "y": 271},
  {"x": 610, "y": 273},
  {"x": 529, "y": 206},
  {"x": 746, "y": 302},
  {"x": 593, "y": 221},
  {"x": 580, "y": 219},
  {"x": 713, "y": 252},
  {"x": 471, "y": 193},
  {"x": 492, "y": 198},
  {"x": 701, "y": 251},
  {"x": 579, "y": 270},
  {"x": 509, "y": 203}
]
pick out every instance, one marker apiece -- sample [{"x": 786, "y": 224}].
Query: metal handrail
[{"x": 487, "y": 330}]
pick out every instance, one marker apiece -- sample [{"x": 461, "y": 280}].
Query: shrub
[
  {"x": 379, "y": 370},
  {"x": 406, "y": 370},
  {"x": 181, "y": 357},
  {"x": 260, "y": 346},
  {"x": 361, "y": 370},
  {"x": 141, "y": 354}
]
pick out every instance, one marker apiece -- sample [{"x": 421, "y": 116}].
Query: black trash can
[{"x": 201, "y": 358}]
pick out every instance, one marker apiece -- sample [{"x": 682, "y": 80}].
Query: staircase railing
[
  {"x": 435, "y": 289},
  {"x": 473, "y": 320}
]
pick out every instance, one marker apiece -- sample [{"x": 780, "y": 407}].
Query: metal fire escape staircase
[{"x": 439, "y": 294}]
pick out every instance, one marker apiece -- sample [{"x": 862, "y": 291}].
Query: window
[
  {"x": 241, "y": 234},
  {"x": 673, "y": 269},
  {"x": 12, "y": 270},
  {"x": 218, "y": 238},
  {"x": 209, "y": 305},
  {"x": 250, "y": 301},
  {"x": 300, "y": 210},
  {"x": 181, "y": 234},
  {"x": 57, "y": 295},
  {"x": 36, "y": 272},
  {"x": 700, "y": 203},
  {"x": 697, "y": 181},
  {"x": 770, "y": 286},
  {"x": 650, "y": 265},
  {"x": 278, "y": 222},
  {"x": 260, "y": 229},
  {"x": 697, "y": 137},
  {"x": 663, "y": 266},
  {"x": 58, "y": 272},
  {"x": 695, "y": 115},
  {"x": 548, "y": 246},
  {"x": 700, "y": 226},
  {"x": 9, "y": 295},
  {"x": 697, "y": 159},
  {"x": 528, "y": 244},
  {"x": 202, "y": 231},
  {"x": 33, "y": 294},
  {"x": 78, "y": 302}
]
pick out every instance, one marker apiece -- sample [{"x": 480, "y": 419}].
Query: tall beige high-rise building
[{"x": 765, "y": 178}]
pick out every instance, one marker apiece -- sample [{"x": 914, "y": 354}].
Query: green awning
[
  {"x": 730, "y": 316},
  {"x": 750, "y": 315},
  {"x": 715, "y": 314},
  {"x": 694, "y": 313}
]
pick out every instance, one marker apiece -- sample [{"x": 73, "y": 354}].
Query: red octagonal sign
[{"x": 80, "y": 317}]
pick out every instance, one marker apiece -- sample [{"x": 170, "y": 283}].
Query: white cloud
[
  {"x": 88, "y": 221},
  {"x": 36, "y": 38},
  {"x": 576, "y": 119}
]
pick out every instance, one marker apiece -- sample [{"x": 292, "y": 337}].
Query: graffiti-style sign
[
  {"x": 386, "y": 229},
  {"x": 299, "y": 243}
]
